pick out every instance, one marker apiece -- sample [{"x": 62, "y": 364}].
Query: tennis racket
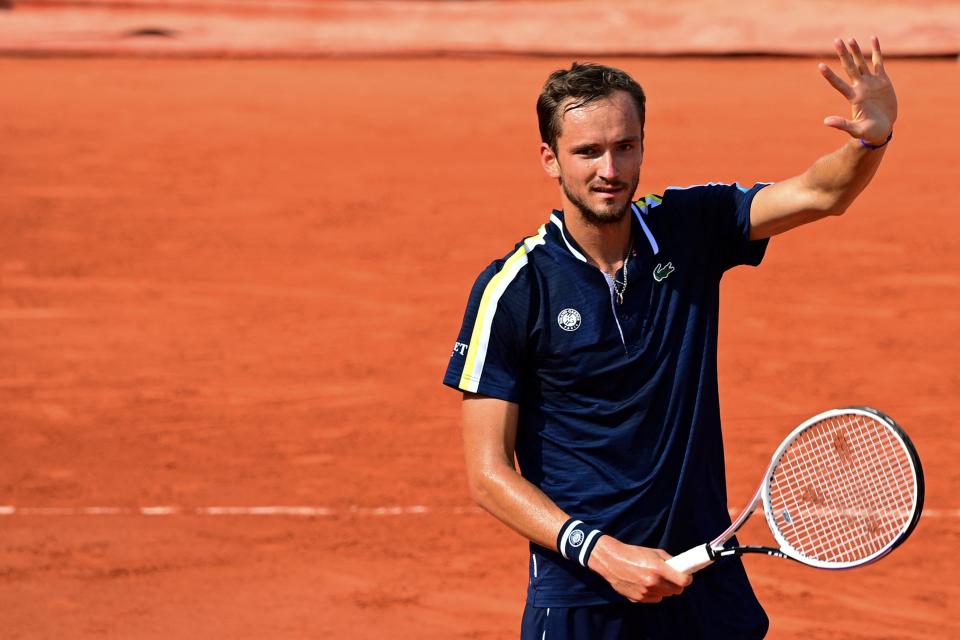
[{"x": 844, "y": 489}]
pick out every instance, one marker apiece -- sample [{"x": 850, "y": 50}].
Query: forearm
[
  {"x": 516, "y": 502},
  {"x": 826, "y": 188},
  {"x": 836, "y": 179},
  {"x": 638, "y": 573},
  {"x": 489, "y": 436}
]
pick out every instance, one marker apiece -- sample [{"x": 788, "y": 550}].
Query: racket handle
[{"x": 692, "y": 560}]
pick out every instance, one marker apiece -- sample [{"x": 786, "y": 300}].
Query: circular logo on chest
[{"x": 569, "y": 319}]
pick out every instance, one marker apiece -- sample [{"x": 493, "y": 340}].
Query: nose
[{"x": 608, "y": 167}]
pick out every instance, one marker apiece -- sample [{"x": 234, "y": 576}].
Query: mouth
[{"x": 609, "y": 191}]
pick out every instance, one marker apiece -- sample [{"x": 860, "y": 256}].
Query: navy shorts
[
  {"x": 596, "y": 622},
  {"x": 626, "y": 622}
]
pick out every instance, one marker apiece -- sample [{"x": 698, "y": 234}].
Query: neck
[{"x": 604, "y": 245}]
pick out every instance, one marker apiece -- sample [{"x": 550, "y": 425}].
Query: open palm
[{"x": 870, "y": 92}]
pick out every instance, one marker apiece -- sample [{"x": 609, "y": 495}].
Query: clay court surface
[{"x": 237, "y": 283}]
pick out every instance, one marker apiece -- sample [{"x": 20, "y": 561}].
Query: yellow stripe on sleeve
[{"x": 479, "y": 338}]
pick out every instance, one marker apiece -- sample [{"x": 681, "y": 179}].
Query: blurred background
[{"x": 429, "y": 27}]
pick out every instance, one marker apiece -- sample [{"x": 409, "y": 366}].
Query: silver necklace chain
[{"x": 621, "y": 287}]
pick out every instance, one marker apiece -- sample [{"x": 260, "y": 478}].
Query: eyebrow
[{"x": 586, "y": 146}]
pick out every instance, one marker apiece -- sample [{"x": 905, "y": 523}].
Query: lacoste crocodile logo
[{"x": 661, "y": 272}]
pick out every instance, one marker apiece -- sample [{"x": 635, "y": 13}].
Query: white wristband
[{"x": 576, "y": 541}]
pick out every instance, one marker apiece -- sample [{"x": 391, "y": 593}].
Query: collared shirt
[{"x": 619, "y": 419}]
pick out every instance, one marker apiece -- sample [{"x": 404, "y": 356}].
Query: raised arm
[
  {"x": 832, "y": 183},
  {"x": 489, "y": 437}
]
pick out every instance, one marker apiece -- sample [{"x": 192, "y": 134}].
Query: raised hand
[{"x": 870, "y": 93}]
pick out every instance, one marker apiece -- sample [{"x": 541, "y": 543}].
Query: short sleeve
[
  {"x": 730, "y": 203},
  {"x": 718, "y": 216},
  {"x": 487, "y": 356}
]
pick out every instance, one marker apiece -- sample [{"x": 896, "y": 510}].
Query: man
[{"x": 589, "y": 352}]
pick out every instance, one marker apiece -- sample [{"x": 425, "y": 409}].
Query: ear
[{"x": 548, "y": 160}]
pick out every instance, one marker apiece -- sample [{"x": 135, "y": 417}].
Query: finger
[
  {"x": 663, "y": 587},
  {"x": 669, "y": 589},
  {"x": 845, "y": 59},
  {"x": 877, "y": 55},
  {"x": 836, "y": 81},
  {"x": 858, "y": 56},
  {"x": 674, "y": 577},
  {"x": 668, "y": 573}
]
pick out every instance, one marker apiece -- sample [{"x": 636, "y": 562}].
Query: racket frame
[
  {"x": 702, "y": 556},
  {"x": 915, "y": 469}
]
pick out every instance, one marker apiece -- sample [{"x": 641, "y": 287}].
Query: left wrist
[{"x": 873, "y": 145}]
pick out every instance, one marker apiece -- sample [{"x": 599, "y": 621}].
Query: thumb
[
  {"x": 671, "y": 574},
  {"x": 840, "y": 123}
]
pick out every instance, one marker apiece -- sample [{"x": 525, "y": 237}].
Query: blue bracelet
[
  {"x": 576, "y": 540},
  {"x": 876, "y": 146}
]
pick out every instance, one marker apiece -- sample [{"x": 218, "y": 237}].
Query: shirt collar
[{"x": 638, "y": 227}]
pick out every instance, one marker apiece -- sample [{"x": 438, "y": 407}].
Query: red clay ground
[{"x": 237, "y": 283}]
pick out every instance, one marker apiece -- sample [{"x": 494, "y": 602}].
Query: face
[{"x": 598, "y": 158}]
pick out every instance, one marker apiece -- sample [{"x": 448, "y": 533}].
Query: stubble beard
[{"x": 600, "y": 218}]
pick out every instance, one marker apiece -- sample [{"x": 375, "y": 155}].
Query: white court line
[
  {"x": 258, "y": 510},
  {"x": 303, "y": 511}
]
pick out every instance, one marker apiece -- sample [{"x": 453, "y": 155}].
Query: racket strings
[
  {"x": 844, "y": 489},
  {"x": 869, "y": 520}
]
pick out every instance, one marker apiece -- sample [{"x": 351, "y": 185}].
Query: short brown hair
[{"x": 580, "y": 85}]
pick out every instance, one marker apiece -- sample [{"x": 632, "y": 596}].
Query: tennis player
[{"x": 589, "y": 352}]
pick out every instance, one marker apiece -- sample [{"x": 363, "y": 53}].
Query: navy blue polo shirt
[{"x": 619, "y": 417}]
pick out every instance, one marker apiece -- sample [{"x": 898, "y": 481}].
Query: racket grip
[{"x": 692, "y": 560}]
